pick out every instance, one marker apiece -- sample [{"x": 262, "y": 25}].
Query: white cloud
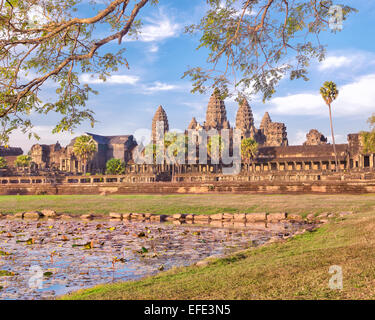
[
  {"x": 157, "y": 28},
  {"x": 160, "y": 86},
  {"x": 115, "y": 79},
  {"x": 334, "y": 62},
  {"x": 298, "y": 104},
  {"x": 349, "y": 59},
  {"x": 154, "y": 48},
  {"x": 355, "y": 99}
]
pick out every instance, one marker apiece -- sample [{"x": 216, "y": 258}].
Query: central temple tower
[
  {"x": 216, "y": 114},
  {"x": 160, "y": 115}
]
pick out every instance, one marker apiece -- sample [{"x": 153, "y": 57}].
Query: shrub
[
  {"x": 3, "y": 163},
  {"x": 115, "y": 166}
]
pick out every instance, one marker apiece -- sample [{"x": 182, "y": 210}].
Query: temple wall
[
  {"x": 195, "y": 188},
  {"x": 135, "y": 184}
]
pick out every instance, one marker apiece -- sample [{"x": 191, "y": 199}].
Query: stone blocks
[
  {"x": 256, "y": 217},
  {"x": 275, "y": 217},
  {"x": 33, "y": 215}
]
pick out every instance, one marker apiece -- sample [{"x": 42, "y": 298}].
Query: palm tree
[
  {"x": 215, "y": 144},
  {"x": 215, "y": 149},
  {"x": 368, "y": 138},
  {"x": 249, "y": 149},
  {"x": 329, "y": 93},
  {"x": 84, "y": 148},
  {"x": 23, "y": 161},
  {"x": 174, "y": 145}
]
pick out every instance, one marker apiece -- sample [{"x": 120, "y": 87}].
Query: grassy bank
[
  {"x": 198, "y": 204},
  {"x": 295, "y": 269}
]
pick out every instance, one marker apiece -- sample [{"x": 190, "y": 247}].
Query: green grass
[
  {"x": 295, "y": 269},
  {"x": 198, "y": 204}
]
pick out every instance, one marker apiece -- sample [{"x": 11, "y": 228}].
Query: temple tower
[
  {"x": 315, "y": 138},
  {"x": 160, "y": 115},
  {"x": 193, "y": 124},
  {"x": 265, "y": 122},
  {"x": 272, "y": 134},
  {"x": 216, "y": 115},
  {"x": 245, "y": 119},
  {"x": 276, "y": 135}
]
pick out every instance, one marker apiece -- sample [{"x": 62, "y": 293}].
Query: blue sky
[{"x": 129, "y": 99}]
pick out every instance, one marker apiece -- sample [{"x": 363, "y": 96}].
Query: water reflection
[{"x": 77, "y": 254}]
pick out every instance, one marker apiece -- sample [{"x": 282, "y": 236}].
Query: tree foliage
[
  {"x": 175, "y": 144},
  {"x": 249, "y": 149},
  {"x": 3, "y": 163},
  {"x": 215, "y": 146},
  {"x": 329, "y": 93},
  {"x": 23, "y": 161},
  {"x": 84, "y": 148},
  {"x": 48, "y": 41},
  {"x": 253, "y": 44},
  {"x": 368, "y": 138},
  {"x": 115, "y": 166}
]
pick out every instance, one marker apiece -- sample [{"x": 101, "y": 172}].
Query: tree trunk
[{"x": 333, "y": 138}]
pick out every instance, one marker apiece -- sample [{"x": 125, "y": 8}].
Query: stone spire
[
  {"x": 216, "y": 114},
  {"x": 160, "y": 115},
  {"x": 244, "y": 118},
  {"x": 315, "y": 138},
  {"x": 265, "y": 121},
  {"x": 193, "y": 124}
]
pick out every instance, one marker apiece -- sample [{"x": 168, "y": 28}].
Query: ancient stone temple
[
  {"x": 269, "y": 134},
  {"x": 266, "y": 120},
  {"x": 245, "y": 120},
  {"x": 160, "y": 115},
  {"x": 315, "y": 138},
  {"x": 274, "y": 154},
  {"x": 46, "y": 156},
  {"x": 216, "y": 114},
  {"x": 276, "y": 134},
  {"x": 193, "y": 124},
  {"x": 272, "y": 134}
]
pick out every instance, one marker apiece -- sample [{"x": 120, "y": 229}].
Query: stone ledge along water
[{"x": 66, "y": 255}]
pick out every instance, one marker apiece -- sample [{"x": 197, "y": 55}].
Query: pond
[{"x": 41, "y": 259}]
